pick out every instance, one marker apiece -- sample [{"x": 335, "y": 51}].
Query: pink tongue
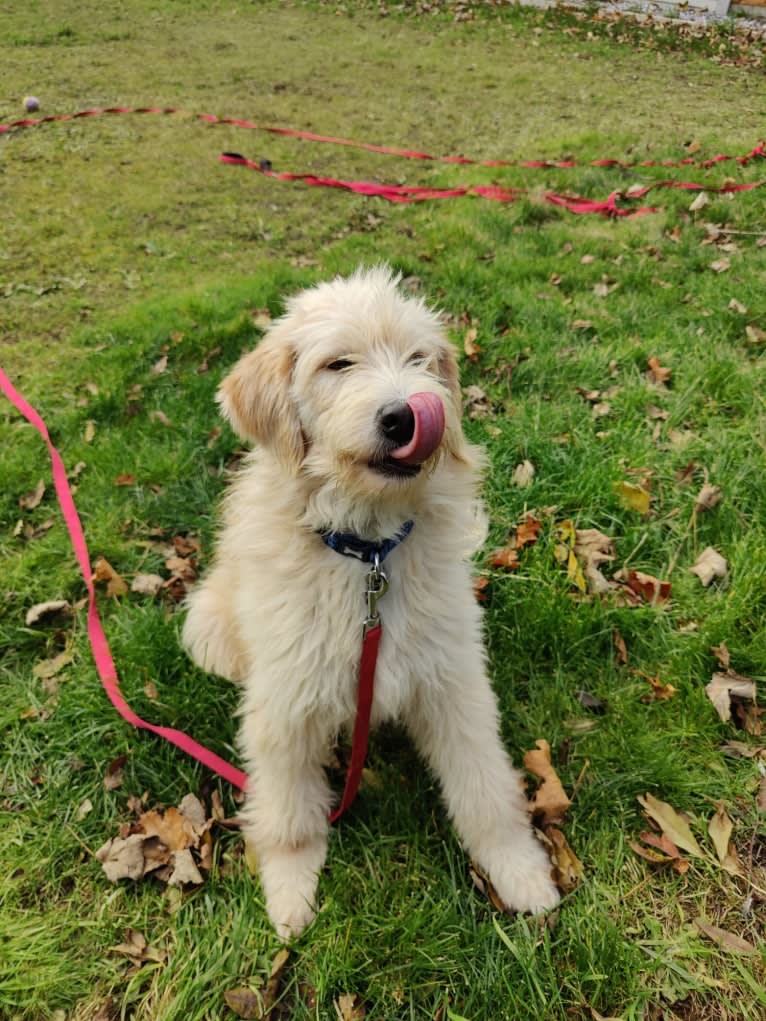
[{"x": 429, "y": 429}]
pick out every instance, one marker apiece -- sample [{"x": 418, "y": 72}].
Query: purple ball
[{"x": 31, "y": 103}]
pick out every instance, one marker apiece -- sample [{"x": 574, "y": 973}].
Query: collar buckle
[{"x": 377, "y": 586}]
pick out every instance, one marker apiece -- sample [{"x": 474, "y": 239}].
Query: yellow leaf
[
  {"x": 671, "y": 823},
  {"x": 633, "y": 497}
]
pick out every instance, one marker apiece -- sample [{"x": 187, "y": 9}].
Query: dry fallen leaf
[
  {"x": 651, "y": 589},
  {"x": 245, "y": 1003},
  {"x": 480, "y": 583},
  {"x": 38, "y": 612},
  {"x": 528, "y": 531},
  {"x": 755, "y": 335},
  {"x": 710, "y": 564},
  {"x": 32, "y": 499},
  {"x": 160, "y": 366},
  {"x": 621, "y": 647},
  {"x": 507, "y": 558},
  {"x": 523, "y": 474},
  {"x": 349, "y": 1008},
  {"x": 671, "y": 823},
  {"x": 699, "y": 203},
  {"x": 47, "y": 668},
  {"x": 261, "y": 318},
  {"x": 113, "y": 776},
  {"x": 568, "y": 869},
  {"x": 720, "y": 829},
  {"x": 708, "y": 497},
  {"x": 738, "y": 307},
  {"x": 657, "y": 373},
  {"x": 726, "y": 940},
  {"x": 90, "y": 431},
  {"x": 725, "y": 686},
  {"x": 471, "y": 348},
  {"x": 633, "y": 497},
  {"x": 592, "y": 549},
  {"x": 147, "y": 584},
  {"x": 549, "y": 802},
  {"x": 115, "y": 584},
  {"x": 720, "y": 265},
  {"x": 660, "y": 692}
]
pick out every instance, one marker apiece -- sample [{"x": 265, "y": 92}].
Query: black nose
[{"x": 396, "y": 422}]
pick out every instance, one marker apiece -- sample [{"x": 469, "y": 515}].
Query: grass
[{"x": 123, "y": 236}]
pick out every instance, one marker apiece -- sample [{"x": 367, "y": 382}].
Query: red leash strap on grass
[
  {"x": 759, "y": 152},
  {"x": 99, "y": 645},
  {"x": 370, "y": 646}
]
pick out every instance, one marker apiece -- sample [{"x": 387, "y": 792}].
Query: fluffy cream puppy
[{"x": 353, "y": 402}]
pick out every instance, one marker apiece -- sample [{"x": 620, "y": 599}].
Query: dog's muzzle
[{"x": 416, "y": 427}]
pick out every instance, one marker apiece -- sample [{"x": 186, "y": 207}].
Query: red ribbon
[{"x": 102, "y": 655}]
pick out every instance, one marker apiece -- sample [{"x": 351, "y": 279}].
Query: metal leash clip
[{"x": 377, "y": 586}]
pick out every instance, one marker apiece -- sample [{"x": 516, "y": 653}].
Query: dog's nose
[{"x": 397, "y": 422}]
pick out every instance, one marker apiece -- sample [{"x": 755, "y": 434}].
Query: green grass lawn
[{"x": 125, "y": 241}]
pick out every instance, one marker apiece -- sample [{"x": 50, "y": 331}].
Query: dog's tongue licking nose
[{"x": 428, "y": 412}]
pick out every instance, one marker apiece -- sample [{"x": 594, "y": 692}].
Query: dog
[{"x": 353, "y": 402}]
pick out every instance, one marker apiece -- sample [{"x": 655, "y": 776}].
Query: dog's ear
[
  {"x": 449, "y": 374},
  {"x": 255, "y": 398}
]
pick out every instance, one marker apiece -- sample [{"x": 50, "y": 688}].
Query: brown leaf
[
  {"x": 755, "y": 335},
  {"x": 185, "y": 872},
  {"x": 205, "y": 363},
  {"x": 147, "y": 584},
  {"x": 722, "y": 654},
  {"x": 349, "y": 1008},
  {"x": 113, "y": 775},
  {"x": 651, "y": 589},
  {"x": 160, "y": 366},
  {"x": 47, "y": 668},
  {"x": 707, "y": 498},
  {"x": 738, "y": 307},
  {"x": 185, "y": 545},
  {"x": 135, "y": 947},
  {"x": 660, "y": 692},
  {"x": 657, "y": 373},
  {"x": 507, "y": 558},
  {"x": 90, "y": 431},
  {"x": 725, "y": 686},
  {"x": 699, "y": 203},
  {"x": 662, "y": 842},
  {"x": 568, "y": 869},
  {"x": 622, "y": 649},
  {"x": 480, "y": 583},
  {"x": 150, "y": 690},
  {"x": 720, "y": 829},
  {"x": 125, "y": 480},
  {"x": 245, "y": 1003},
  {"x": 180, "y": 567},
  {"x": 159, "y": 416},
  {"x": 720, "y": 265},
  {"x": 726, "y": 940},
  {"x": 671, "y": 823},
  {"x": 32, "y": 499},
  {"x": 648, "y": 855},
  {"x": 760, "y": 798},
  {"x": 528, "y": 531},
  {"x": 581, "y": 324},
  {"x": 115, "y": 584},
  {"x": 523, "y": 474},
  {"x": 549, "y": 802},
  {"x": 171, "y": 826},
  {"x": 710, "y": 565},
  {"x": 38, "y": 612},
  {"x": 471, "y": 348},
  {"x": 592, "y": 549},
  {"x": 122, "y": 858}
]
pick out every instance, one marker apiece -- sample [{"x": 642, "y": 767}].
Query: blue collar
[{"x": 351, "y": 545}]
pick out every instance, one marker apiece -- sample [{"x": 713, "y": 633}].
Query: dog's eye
[
  {"x": 417, "y": 356},
  {"x": 338, "y": 364}
]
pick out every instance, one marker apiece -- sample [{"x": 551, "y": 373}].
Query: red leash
[
  {"x": 759, "y": 152},
  {"x": 105, "y": 664},
  {"x": 415, "y": 193}
]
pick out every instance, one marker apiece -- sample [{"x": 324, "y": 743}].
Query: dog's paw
[
  {"x": 521, "y": 875},
  {"x": 289, "y": 879}
]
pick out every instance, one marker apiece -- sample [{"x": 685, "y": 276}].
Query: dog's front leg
[
  {"x": 457, "y": 732},
  {"x": 286, "y": 816}
]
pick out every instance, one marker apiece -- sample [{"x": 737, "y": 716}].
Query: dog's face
[{"x": 356, "y": 383}]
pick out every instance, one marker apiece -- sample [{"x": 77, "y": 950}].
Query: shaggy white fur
[{"x": 282, "y": 614}]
